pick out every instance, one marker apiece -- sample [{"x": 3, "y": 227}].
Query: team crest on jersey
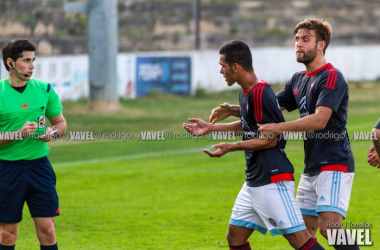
[
  {"x": 41, "y": 121},
  {"x": 247, "y": 108},
  {"x": 311, "y": 86},
  {"x": 272, "y": 221}
]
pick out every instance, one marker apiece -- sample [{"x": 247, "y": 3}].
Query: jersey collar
[
  {"x": 261, "y": 82},
  {"x": 318, "y": 70}
]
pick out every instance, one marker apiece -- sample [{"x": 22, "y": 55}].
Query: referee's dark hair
[
  {"x": 14, "y": 48},
  {"x": 237, "y": 51},
  {"x": 323, "y": 31}
]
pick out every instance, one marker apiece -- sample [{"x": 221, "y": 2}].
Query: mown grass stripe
[{"x": 129, "y": 157}]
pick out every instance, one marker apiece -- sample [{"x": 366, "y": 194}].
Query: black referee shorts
[{"x": 32, "y": 181}]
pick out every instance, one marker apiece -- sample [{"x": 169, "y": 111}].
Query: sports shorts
[
  {"x": 270, "y": 207},
  {"x": 30, "y": 181},
  {"x": 328, "y": 191}
]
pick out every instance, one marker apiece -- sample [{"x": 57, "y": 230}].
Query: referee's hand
[{"x": 28, "y": 129}]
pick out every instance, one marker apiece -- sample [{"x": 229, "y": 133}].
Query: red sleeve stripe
[
  {"x": 331, "y": 79},
  {"x": 282, "y": 177},
  {"x": 335, "y": 77},
  {"x": 255, "y": 101},
  {"x": 328, "y": 76},
  {"x": 258, "y": 101},
  {"x": 261, "y": 102}
]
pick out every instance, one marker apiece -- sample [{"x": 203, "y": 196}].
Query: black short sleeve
[
  {"x": 333, "y": 87},
  {"x": 286, "y": 97}
]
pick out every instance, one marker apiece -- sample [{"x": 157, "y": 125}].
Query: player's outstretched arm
[
  {"x": 201, "y": 127},
  {"x": 253, "y": 144},
  {"x": 314, "y": 122},
  {"x": 269, "y": 130},
  {"x": 224, "y": 111}
]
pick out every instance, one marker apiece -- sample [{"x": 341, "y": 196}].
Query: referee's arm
[{"x": 27, "y": 129}]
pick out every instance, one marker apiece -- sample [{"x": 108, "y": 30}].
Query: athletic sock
[
  {"x": 53, "y": 247},
  {"x": 246, "y": 246},
  {"x": 311, "y": 244},
  {"x": 7, "y": 247},
  {"x": 353, "y": 247},
  {"x": 347, "y": 247}
]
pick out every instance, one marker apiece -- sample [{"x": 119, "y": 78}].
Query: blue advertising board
[{"x": 163, "y": 74}]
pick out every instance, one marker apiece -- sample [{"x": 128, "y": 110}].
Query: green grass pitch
[{"x": 169, "y": 194}]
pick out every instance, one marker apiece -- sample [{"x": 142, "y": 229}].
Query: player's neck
[
  {"x": 317, "y": 63},
  {"x": 16, "y": 82},
  {"x": 248, "y": 81}
]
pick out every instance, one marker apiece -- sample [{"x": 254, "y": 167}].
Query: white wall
[
  {"x": 69, "y": 73},
  {"x": 278, "y": 64}
]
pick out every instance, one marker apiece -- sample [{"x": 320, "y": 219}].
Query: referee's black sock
[
  {"x": 53, "y": 247},
  {"x": 246, "y": 246},
  {"x": 7, "y": 247},
  {"x": 311, "y": 244}
]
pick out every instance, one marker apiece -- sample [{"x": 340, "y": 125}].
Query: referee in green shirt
[{"x": 25, "y": 171}]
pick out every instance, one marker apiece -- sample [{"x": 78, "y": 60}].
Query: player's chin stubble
[{"x": 308, "y": 56}]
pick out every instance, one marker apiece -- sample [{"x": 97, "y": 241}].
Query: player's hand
[
  {"x": 48, "y": 136},
  {"x": 28, "y": 129},
  {"x": 222, "y": 149},
  {"x": 220, "y": 113},
  {"x": 373, "y": 158},
  {"x": 268, "y": 131},
  {"x": 199, "y": 128}
]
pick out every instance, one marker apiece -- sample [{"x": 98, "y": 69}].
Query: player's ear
[
  {"x": 235, "y": 66},
  {"x": 321, "y": 45}
]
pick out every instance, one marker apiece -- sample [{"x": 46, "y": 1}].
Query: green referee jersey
[{"x": 37, "y": 102}]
